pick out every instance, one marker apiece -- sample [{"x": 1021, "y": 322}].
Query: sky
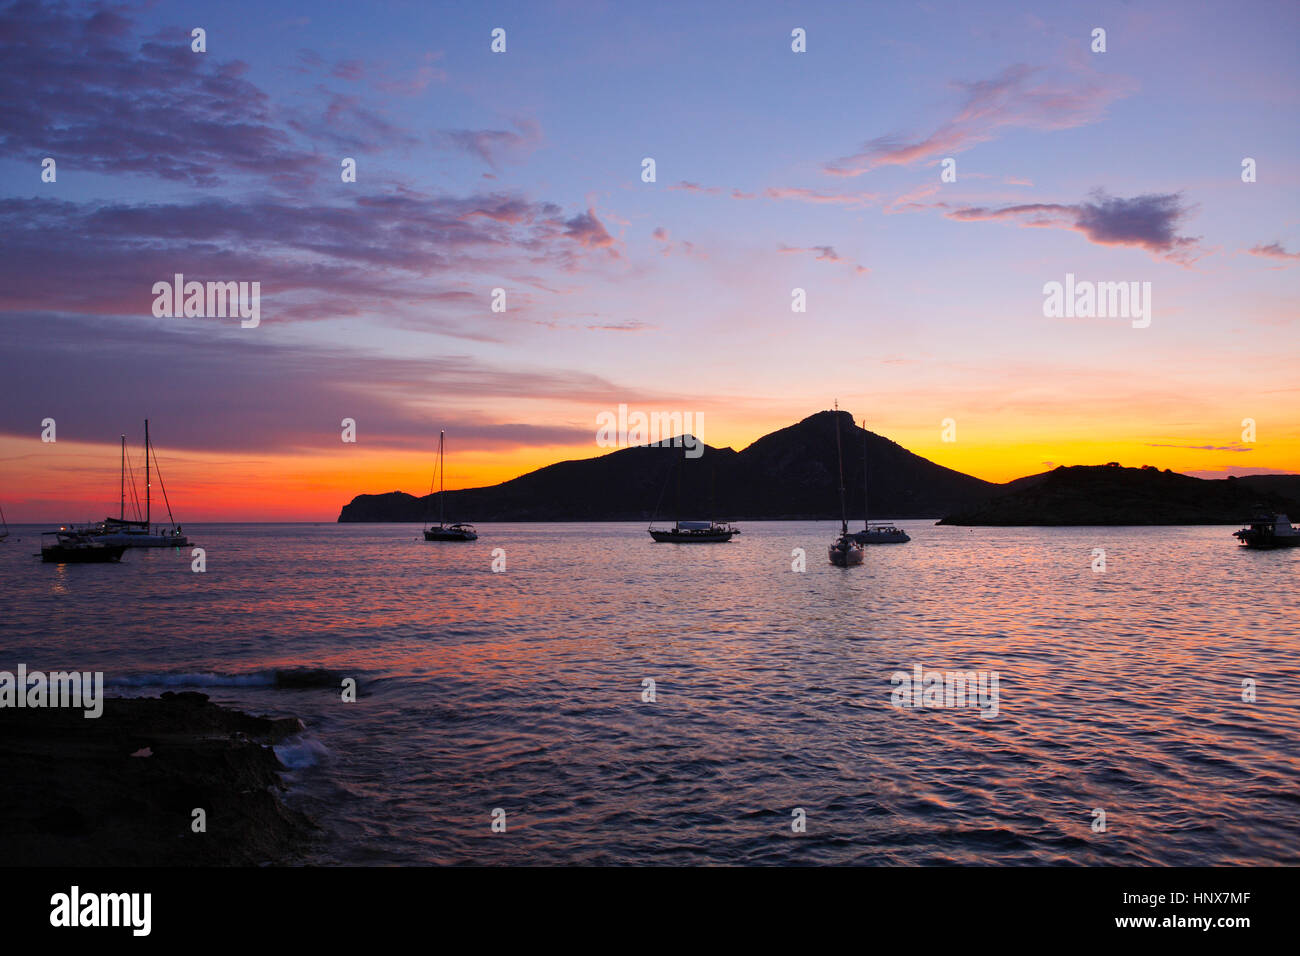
[{"x": 524, "y": 170}]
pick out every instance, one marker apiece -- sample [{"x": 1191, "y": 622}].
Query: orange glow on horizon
[{"x": 69, "y": 481}]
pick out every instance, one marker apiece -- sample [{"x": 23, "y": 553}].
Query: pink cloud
[{"x": 1020, "y": 97}]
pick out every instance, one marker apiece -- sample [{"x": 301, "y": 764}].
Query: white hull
[{"x": 130, "y": 540}]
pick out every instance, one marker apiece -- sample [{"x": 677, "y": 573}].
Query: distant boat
[
  {"x": 76, "y": 547},
  {"x": 844, "y": 550},
  {"x": 458, "y": 531},
  {"x": 690, "y": 532},
  {"x": 882, "y": 533},
  {"x": 695, "y": 532},
  {"x": 1269, "y": 530},
  {"x": 139, "y": 534}
]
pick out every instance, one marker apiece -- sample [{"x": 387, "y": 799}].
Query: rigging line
[
  {"x": 428, "y": 507},
  {"x": 663, "y": 489},
  {"x": 135, "y": 495},
  {"x": 163, "y": 487}
]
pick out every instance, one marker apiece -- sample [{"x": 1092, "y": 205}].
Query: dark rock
[
  {"x": 1112, "y": 495},
  {"x": 74, "y": 795}
]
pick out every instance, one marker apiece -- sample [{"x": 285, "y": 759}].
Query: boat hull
[
  {"x": 95, "y": 554},
  {"x": 1267, "y": 542},
  {"x": 436, "y": 534},
  {"x": 881, "y": 537},
  {"x": 143, "y": 540},
  {"x": 692, "y": 537},
  {"x": 843, "y": 557}
]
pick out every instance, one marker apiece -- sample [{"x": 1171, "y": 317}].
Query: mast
[
  {"x": 147, "y": 486},
  {"x": 713, "y": 486},
  {"x": 866, "y": 504},
  {"x": 677, "y": 499},
  {"x": 121, "y": 507},
  {"x": 442, "y": 481},
  {"x": 839, "y": 454}
]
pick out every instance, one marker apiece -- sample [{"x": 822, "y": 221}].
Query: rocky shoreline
[{"x": 121, "y": 790}]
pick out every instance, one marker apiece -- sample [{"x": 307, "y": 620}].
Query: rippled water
[{"x": 522, "y": 690}]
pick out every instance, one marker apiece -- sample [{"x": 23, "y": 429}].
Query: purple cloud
[{"x": 1147, "y": 222}]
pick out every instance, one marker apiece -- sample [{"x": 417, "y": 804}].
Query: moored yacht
[
  {"x": 844, "y": 551},
  {"x": 881, "y": 532},
  {"x": 456, "y": 531},
  {"x": 695, "y": 532},
  {"x": 691, "y": 532},
  {"x": 138, "y": 533},
  {"x": 1269, "y": 530}
]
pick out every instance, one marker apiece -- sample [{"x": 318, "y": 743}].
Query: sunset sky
[{"x": 522, "y": 170}]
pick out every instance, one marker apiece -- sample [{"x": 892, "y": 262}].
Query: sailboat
[
  {"x": 844, "y": 550},
  {"x": 882, "y": 533},
  {"x": 136, "y": 533},
  {"x": 691, "y": 532},
  {"x": 5, "y": 524},
  {"x": 459, "y": 531}
]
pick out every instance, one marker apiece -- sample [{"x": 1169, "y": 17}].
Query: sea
[{"x": 576, "y": 694}]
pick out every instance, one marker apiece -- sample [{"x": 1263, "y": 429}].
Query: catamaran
[
  {"x": 881, "y": 533},
  {"x": 458, "y": 531},
  {"x": 844, "y": 550},
  {"x": 139, "y": 533}
]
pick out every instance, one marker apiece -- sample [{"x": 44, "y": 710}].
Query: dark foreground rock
[{"x": 72, "y": 794}]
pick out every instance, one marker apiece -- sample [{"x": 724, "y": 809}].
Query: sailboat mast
[
  {"x": 839, "y": 454},
  {"x": 147, "y": 485},
  {"x": 677, "y": 499},
  {"x": 121, "y": 507},
  {"x": 442, "y": 480},
  {"x": 866, "y": 504}
]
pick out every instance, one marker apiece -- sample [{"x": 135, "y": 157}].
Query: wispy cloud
[
  {"x": 494, "y": 146},
  {"x": 824, "y": 254},
  {"x": 1020, "y": 97},
  {"x": 1274, "y": 250}
]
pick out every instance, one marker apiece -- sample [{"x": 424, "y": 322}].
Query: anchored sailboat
[
  {"x": 882, "y": 533},
  {"x": 4, "y": 533},
  {"x": 844, "y": 550},
  {"x": 139, "y": 533},
  {"x": 459, "y": 531},
  {"x": 690, "y": 532}
]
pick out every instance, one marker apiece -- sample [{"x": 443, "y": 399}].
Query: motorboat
[
  {"x": 881, "y": 533},
  {"x": 1269, "y": 530},
  {"x": 75, "y": 547}
]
